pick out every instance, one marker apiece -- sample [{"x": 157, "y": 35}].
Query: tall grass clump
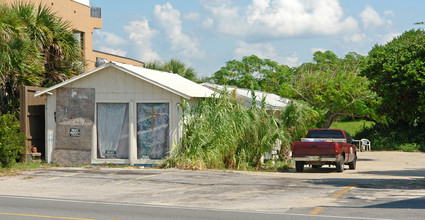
[
  {"x": 298, "y": 118},
  {"x": 221, "y": 133}
]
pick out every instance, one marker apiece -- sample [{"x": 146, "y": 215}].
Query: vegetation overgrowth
[
  {"x": 11, "y": 141},
  {"x": 400, "y": 137},
  {"x": 22, "y": 166},
  {"x": 221, "y": 133}
]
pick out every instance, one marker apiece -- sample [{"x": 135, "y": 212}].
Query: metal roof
[
  {"x": 273, "y": 101},
  {"x": 169, "y": 81}
]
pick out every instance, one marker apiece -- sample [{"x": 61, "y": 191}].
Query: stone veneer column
[{"x": 75, "y": 110}]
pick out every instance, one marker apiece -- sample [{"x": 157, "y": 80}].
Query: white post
[{"x": 132, "y": 132}]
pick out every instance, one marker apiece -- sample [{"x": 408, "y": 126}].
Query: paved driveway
[{"x": 388, "y": 185}]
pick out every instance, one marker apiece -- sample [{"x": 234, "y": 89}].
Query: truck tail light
[{"x": 336, "y": 147}]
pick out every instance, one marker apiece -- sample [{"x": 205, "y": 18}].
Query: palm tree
[
  {"x": 52, "y": 35},
  {"x": 36, "y": 48},
  {"x": 174, "y": 66},
  {"x": 20, "y": 61}
]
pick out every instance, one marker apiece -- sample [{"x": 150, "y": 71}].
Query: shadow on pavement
[
  {"x": 406, "y": 184},
  {"x": 416, "y": 203},
  {"x": 415, "y": 172}
]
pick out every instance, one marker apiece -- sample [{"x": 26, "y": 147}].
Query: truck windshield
[{"x": 325, "y": 134}]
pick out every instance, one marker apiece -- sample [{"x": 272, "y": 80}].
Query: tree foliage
[
  {"x": 173, "y": 66},
  {"x": 11, "y": 141},
  {"x": 263, "y": 74},
  {"x": 36, "y": 48},
  {"x": 333, "y": 86},
  {"x": 397, "y": 73}
]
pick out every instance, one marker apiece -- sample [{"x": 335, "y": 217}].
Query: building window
[
  {"x": 79, "y": 36},
  {"x": 112, "y": 131},
  {"x": 152, "y": 130}
]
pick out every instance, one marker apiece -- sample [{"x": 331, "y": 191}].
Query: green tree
[
  {"x": 36, "y": 48},
  {"x": 174, "y": 66},
  {"x": 263, "y": 74},
  {"x": 20, "y": 60},
  {"x": 334, "y": 87},
  {"x": 397, "y": 73},
  {"x": 62, "y": 55}
]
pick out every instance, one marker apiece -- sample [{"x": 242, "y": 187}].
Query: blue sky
[{"x": 206, "y": 33}]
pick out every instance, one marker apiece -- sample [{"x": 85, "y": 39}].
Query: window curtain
[{"x": 112, "y": 130}]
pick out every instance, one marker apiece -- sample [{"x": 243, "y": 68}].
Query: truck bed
[{"x": 314, "y": 148}]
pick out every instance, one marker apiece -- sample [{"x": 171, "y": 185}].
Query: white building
[
  {"x": 116, "y": 113},
  {"x": 272, "y": 101}
]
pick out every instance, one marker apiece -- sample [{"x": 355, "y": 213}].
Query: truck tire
[
  {"x": 299, "y": 166},
  {"x": 340, "y": 165},
  {"x": 352, "y": 164}
]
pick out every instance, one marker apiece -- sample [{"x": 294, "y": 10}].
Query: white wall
[{"x": 84, "y": 2}]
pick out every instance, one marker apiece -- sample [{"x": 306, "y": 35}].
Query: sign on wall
[{"x": 74, "y": 132}]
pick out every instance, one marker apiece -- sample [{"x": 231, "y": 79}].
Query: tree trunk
[
  {"x": 332, "y": 117},
  {"x": 329, "y": 121}
]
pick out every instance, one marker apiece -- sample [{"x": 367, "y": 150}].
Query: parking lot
[{"x": 385, "y": 185}]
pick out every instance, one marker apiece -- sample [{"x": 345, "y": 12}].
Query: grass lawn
[{"x": 352, "y": 126}]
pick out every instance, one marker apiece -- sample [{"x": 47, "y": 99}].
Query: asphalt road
[
  {"x": 35, "y": 208},
  {"x": 385, "y": 185}
]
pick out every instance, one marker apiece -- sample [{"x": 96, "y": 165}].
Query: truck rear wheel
[
  {"x": 352, "y": 165},
  {"x": 299, "y": 166},
  {"x": 340, "y": 165}
]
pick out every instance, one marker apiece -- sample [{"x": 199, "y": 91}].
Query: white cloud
[
  {"x": 314, "y": 50},
  {"x": 371, "y": 18},
  {"x": 170, "y": 23},
  {"x": 141, "y": 34},
  {"x": 292, "y": 61},
  {"x": 383, "y": 39},
  {"x": 193, "y": 16},
  {"x": 389, "y": 13},
  {"x": 207, "y": 23},
  {"x": 281, "y": 18},
  {"x": 118, "y": 52},
  {"x": 261, "y": 50},
  {"x": 356, "y": 38},
  {"x": 110, "y": 39},
  {"x": 110, "y": 43}
]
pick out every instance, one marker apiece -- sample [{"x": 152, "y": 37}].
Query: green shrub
[
  {"x": 11, "y": 140},
  {"x": 400, "y": 136}
]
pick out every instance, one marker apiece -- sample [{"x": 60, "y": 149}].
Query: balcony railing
[{"x": 95, "y": 12}]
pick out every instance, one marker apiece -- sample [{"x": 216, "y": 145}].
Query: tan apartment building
[{"x": 84, "y": 19}]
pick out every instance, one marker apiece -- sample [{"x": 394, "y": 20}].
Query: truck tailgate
[{"x": 313, "y": 148}]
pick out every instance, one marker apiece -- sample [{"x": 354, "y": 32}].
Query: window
[
  {"x": 112, "y": 131},
  {"x": 152, "y": 130}
]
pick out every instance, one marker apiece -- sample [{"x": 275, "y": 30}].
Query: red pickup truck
[{"x": 325, "y": 147}]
